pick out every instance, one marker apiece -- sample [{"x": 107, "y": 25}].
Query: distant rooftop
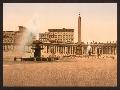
[
  {"x": 61, "y": 30},
  {"x": 9, "y": 31}
]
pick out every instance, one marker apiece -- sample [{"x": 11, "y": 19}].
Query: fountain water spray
[{"x": 32, "y": 30}]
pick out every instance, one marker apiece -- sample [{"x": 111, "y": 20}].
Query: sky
[{"x": 98, "y": 20}]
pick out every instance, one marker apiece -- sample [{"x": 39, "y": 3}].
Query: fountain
[{"x": 38, "y": 46}]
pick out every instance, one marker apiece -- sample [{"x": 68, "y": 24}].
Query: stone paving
[{"x": 82, "y": 72}]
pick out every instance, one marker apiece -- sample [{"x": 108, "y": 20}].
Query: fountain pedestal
[{"x": 37, "y": 47}]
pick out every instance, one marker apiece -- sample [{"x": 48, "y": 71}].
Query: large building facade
[
  {"x": 12, "y": 38},
  {"x": 55, "y": 48},
  {"x": 62, "y": 35},
  {"x": 58, "y": 35},
  {"x": 44, "y": 37}
]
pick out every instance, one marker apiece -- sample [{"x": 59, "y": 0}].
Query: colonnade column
[
  {"x": 72, "y": 49},
  {"x": 65, "y": 50},
  {"x": 102, "y": 50}
]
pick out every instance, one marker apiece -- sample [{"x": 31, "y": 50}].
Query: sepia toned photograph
[{"x": 59, "y": 44}]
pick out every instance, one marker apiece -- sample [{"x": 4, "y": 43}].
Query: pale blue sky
[{"x": 99, "y": 20}]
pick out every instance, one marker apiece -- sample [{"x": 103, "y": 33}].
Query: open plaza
[{"x": 68, "y": 71}]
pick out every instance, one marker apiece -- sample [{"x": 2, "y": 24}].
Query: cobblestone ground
[{"x": 66, "y": 72}]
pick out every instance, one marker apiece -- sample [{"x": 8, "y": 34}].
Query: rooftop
[{"x": 61, "y": 30}]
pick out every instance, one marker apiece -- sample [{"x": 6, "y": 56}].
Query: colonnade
[
  {"x": 60, "y": 49},
  {"x": 104, "y": 49},
  {"x": 68, "y": 49},
  {"x": 8, "y": 47},
  {"x": 72, "y": 49}
]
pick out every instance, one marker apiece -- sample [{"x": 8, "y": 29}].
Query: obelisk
[{"x": 79, "y": 29}]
